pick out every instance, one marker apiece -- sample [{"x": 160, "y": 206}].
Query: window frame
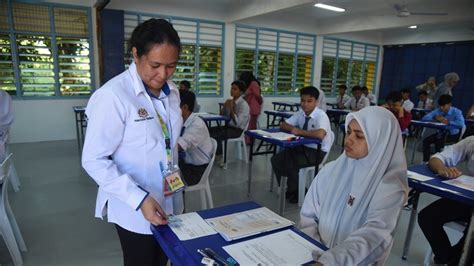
[
  {"x": 12, "y": 33},
  {"x": 275, "y": 92}
]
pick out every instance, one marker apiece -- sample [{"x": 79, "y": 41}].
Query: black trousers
[
  {"x": 191, "y": 173},
  {"x": 438, "y": 140},
  {"x": 290, "y": 161},
  {"x": 219, "y": 134},
  {"x": 431, "y": 220},
  {"x": 140, "y": 250}
]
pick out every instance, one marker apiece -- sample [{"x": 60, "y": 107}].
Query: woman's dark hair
[
  {"x": 311, "y": 91},
  {"x": 248, "y": 77},
  {"x": 240, "y": 84},
  {"x": 152, "y": 32}
]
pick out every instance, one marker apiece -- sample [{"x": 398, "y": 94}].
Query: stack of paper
[
  {"x": 464, "y": 181},
  {"x": 275, "y": 135},
  {"x": 418, "y": 177},
  {"x": 189, "y": 226},
  {"x": 247, "y": 223}
]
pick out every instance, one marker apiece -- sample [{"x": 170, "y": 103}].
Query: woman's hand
[{"x": 153, "y": 212}]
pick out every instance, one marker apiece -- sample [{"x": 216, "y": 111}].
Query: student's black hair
[
  {"x": 188, "y": 98},
  {"x": 152, "y": 32},
  {"x": 405, "y": 90},
  {"x": 342, "y": 86},
  {"x": 445, "y": 99},
  {"x": 240, "y": 84},
  {"x": 311, "y": 91},
  {"x": 423, "y": 92},
  {"x": 394, "y": 96},
  {"x": 186, "y": 83},
  {"x": 364, "y": 88},
  {"x": 248, "y": 77},
  {"x": 356, "y": 88}
]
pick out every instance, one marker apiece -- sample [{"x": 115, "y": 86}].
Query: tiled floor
[{"x": 55, "y": 205}]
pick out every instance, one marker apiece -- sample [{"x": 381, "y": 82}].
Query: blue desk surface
[
  {"x": 213, "y": 117},
  {"x": 79, "y": 109},
  {"x": 284, "y": 114},
  {"x": 185, "y": 252},
  {"x": 429, "y": 124},
  {"x": 286, "y": 104},
  {"x": 283, "y": 143},
  {"x": 435, "y": 186},
  {"x": 337, "y": 111}
]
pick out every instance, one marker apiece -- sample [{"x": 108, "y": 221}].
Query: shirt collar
[
  {"x": 165, "y": 91},
  {"x": 239, "y": 99},
  {"x": 312, "y": 114},
  {"x": 189, "y": 120}
]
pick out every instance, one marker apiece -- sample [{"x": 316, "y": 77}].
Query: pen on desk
[{"x": 213, "y": 255}]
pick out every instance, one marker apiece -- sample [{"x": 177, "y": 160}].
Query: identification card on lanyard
[{"x": 172, "y": 180}]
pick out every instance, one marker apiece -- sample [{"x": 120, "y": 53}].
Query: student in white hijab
[
  {"x": 6, "y": 119},
  {"x": 354, "y": 202}
]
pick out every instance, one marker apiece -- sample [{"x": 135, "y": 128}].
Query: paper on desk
[
  {"x": 208, "y": 115},
  {"x": 189, "y": 226},
  {"x": 418, "y": 177},
  {"x": 464, "y": 181},
  {"x": 274, "y": 135},
  {"x": 282, "y": 248}
]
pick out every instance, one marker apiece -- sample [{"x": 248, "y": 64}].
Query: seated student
[
  {"x": 6, "y": 119},
  {"x": 353, "y": 204},
  {"x": 358, "y": 100},
  {"x": 432, "y": 218},
  {"x": 370, "y": 96},
  {"x": 470, "y": 112},
  {"x": 407, "y": 103},
  {"x": 342, "y": 98},
  {"x": 309, "y": 121},
  {"x": 423, "y": 101},
  {"x": 445, "y": 114},
  {"x": 393, "y": 102},
  {"x": 186, "y": 85},
  {"x": 194, "y": 140},
  {"x": 239, "y": 112}
]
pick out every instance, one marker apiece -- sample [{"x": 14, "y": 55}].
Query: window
[
  {"x": 348, "y": 63},
  {"x": 46, "y": 51},
  {"x": 282, "y": 61},
  {"x": 202, "y": 46}
]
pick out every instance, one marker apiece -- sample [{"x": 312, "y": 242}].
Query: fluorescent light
[
  {"x": 413, "y": 26},
  {"x": 328, "y": 7}
]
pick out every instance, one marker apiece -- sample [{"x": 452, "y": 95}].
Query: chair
[
  {"x": 8, "y": 226},
  {"x": 303, "y": 181},
  {"x": 457, "y": 226},
  {"x": 203, "y": 184},
  {"x": 241, "y": 145},
  {"x": 14, "y": 177}
]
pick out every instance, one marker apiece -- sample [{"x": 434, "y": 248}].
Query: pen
[
  {"x": 204, "y": 254},
  {"x": 213, "y": 255}
]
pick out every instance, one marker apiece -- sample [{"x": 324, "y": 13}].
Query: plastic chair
[
  {"x": 457, "y": 226},
  {"x": 8, "y": 226},
  {"x": 15, "y": 181},
  {"x": 303, "y": 181},
  {"x": 203, "y": 185},
  {"x": 241, "y": 145}
]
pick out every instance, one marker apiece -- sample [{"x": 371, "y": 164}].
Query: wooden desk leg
[
  {"x": 249, "y": 193},
  {"x": 411, "y": 225},
  {"x": 467, "y": 249},
  {"x": 282, "y": 194}
]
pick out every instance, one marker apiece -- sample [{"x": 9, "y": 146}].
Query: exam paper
[
  {"x": 275, "y": 135},
  {"x": 464, "y": 181},
  {"x": 282, "y": 248},
  {"x": 189, "y": 226},
  {"x": 418, "y": 177}
]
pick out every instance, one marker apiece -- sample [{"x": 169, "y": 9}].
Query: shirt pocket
[{"x": 135, "y": 132}]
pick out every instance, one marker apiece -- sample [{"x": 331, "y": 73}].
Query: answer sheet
[
  {"x": 464, "y": 181},
  {"x": 189, "y": 226},
  {"x": 282, "y": 248},
  {"x": 418, "y": 177}
]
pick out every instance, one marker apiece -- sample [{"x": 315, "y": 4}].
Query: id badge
[{"x": 172, "y": 181}]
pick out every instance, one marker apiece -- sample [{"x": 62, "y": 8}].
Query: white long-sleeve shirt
[
  {"x": 125, "y": 145},
  {"x": 462, "y": 151},
  {"x": 196, "y": 141},
  {"x": 355, "y": 104}
]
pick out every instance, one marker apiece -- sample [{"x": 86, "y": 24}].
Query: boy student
[
  {"x": 447, "y": 115},
  {"x": 358, "y": 100},
  {"x": 370, "y": 96},
  {"x": 186, "y": 86},
  {"x": 194, "y": 141},
  {"x": 239, "y": 112},
  {"x": 406, "y": 103},
  {"x": 393, "y": 102},
  {"x": 309, "y": 121},
  {"x": 342, "y": 98},
  {"x": 423, "y": 101}
]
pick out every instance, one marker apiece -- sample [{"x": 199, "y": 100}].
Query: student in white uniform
[
  {"x": 407, "y": 103},
  {"x": 354, "y": 202},
  {"x": 133, "y": 128},
  {"x": 370, "y": 96},
  {"x": 423, "y": 101},
  {"x": 309, "y": 121},
  {"x": 432, "y": 218},
  {"x": 342, "y": 98},
  {"x": 358, "y": 100},
  {"x": 186, "y": 85},
  {"x": 194, "y": 142},
  {"x": 6, "y": 119}
]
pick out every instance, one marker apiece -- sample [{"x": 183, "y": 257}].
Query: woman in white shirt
[
  {"x": 354, "y": 202},
  {"x": 133, "y": 128}
]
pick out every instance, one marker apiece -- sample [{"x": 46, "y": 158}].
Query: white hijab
[{"x": 377, "y": 183}]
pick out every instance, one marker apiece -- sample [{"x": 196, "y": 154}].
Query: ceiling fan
[{"x": 402, "y": 12}]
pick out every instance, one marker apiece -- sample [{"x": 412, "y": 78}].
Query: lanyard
[{"x": 164, "y": 129}]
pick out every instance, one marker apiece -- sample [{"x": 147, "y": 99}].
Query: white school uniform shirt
[
  {"x": 462, "y": 151},
  {"x": 353, "y": 103},
  {"x": 428, "y": 104},
  {"x": 319, "y": 120},
  {"x": 372, "y": 98},
  {"x": 242, "y": 114},
  {"x": 196, "y": 141},
  {"x": 345, "y": 99},
  {"x": 322, "y": 101},
  {"x": 125, "y": 145},
  {"x": 408, "y": 105}
]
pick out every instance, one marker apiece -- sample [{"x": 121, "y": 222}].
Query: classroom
[{"x": 307, "y": 65}]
